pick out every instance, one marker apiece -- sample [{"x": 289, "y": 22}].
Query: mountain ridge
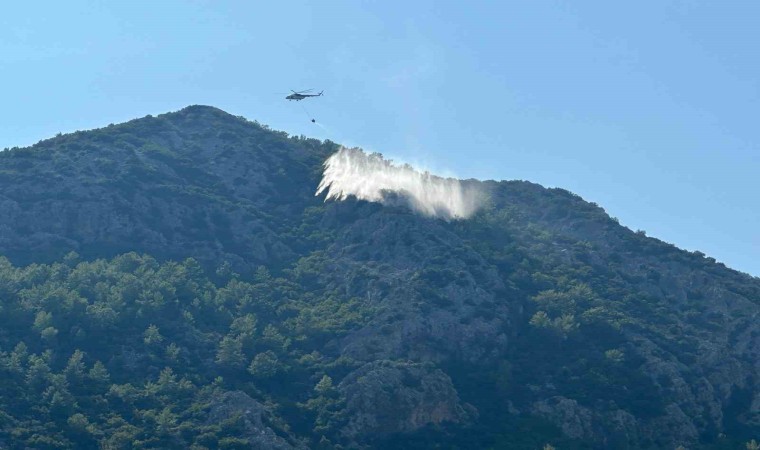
[
  {"x": 208, "y": 111},
  {"x": 165, "y": 164}
]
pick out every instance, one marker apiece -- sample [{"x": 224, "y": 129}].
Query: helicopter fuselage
[{"x": 298, "y": 96}]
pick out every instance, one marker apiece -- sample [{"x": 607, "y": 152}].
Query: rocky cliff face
[
  {"x": 238, "y": 406},
  {"x": 539, "y": 311},
  {"x": 385, "y": 397},
  {"x": 428, "y": 314}
]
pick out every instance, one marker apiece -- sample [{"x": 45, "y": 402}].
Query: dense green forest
[
  {"x": 173, "y": 282},
  {"x": 134, "y": 353}
]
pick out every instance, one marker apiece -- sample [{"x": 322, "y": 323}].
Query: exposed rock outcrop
[
  {"x": 385, "y": 397},
  {"x": 238, "y": 405}
]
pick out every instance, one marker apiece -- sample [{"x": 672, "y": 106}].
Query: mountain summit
[
  {"x": 198, "y": 182},
  {"x": 173, "y": 282}
]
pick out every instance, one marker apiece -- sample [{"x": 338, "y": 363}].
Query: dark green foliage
[{"x": 112, "y": 378}]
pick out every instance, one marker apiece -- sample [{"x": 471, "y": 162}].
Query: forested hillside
[{"x": 173, "y": 282}]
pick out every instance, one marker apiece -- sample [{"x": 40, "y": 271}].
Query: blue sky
[{"x": 648, "y": 108}]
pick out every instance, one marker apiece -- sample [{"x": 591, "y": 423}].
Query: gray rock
[
  {"x": 464, "y": 316},
  {"x": 238, "y": 404},
  {"x": 387, "y": 397}
]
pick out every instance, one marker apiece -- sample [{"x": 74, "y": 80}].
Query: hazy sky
[{"x": 648, "y": 108}]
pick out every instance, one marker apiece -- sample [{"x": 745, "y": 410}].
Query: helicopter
[{"x": 298, "y": 96}]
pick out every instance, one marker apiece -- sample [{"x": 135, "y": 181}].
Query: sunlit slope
[{"x": 198, "y": 182}]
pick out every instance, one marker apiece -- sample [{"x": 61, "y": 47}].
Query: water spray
[{"x": 370, "y": 177}]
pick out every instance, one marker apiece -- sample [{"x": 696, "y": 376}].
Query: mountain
[
  {"x": 173, "y": 282},
  {"x": 162, "y": 185}
]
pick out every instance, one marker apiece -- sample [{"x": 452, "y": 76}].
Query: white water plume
[{"x": 351, "y": 172}]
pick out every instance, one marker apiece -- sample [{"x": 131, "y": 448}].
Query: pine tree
[
  {"x": 99, "y": 374},
  {"x": 324, "y": 386},
  {"x": 264, "y": 365},
  {"x": 230, "y": 353},
  {"x": 75, "y": 368},
  {"x": 152, "y": 335}
]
